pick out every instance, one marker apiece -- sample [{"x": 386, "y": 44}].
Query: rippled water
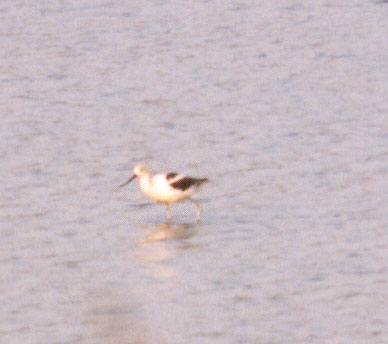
[{"x": 283, "y": 105}]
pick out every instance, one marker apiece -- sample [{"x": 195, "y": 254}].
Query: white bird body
[
  {"x": 167, "y": 188},
  {"x": 158, "y": 188}
]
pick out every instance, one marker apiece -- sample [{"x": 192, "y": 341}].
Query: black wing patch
[
  {"x": 186, "y": 182},
  {"x": 171, "y": 175}
]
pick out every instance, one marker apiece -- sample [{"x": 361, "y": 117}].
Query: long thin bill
[{"x": 128, "y": 181}]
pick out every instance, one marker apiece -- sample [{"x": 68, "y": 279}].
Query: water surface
[{"x": 283, "y": 106}]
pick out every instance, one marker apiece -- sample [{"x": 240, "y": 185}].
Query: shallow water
[{"x": 283, "y": 106}]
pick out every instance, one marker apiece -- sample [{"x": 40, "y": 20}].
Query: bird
[{"x": 167, "y": 188}]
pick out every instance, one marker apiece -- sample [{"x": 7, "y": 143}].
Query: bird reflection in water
[{"x": 168, "y": 231}]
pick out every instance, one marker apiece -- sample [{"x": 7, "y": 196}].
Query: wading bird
[{"x": 167, "y": 188}]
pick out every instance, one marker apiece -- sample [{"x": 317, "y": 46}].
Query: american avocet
[{"x": 167, "y": 188}]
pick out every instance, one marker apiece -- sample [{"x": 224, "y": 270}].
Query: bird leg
[{"x": 199, "y": 209}]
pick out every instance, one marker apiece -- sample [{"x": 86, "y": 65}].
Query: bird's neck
[{"x": 145, "y": 181}]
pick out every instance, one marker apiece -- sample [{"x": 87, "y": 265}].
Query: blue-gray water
[{"x": 283, "y": 105}]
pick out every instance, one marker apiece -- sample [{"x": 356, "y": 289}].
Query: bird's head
[{"x": 138, "y": 171}]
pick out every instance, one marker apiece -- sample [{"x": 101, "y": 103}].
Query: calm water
[{"x": 282, "y": 104}]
